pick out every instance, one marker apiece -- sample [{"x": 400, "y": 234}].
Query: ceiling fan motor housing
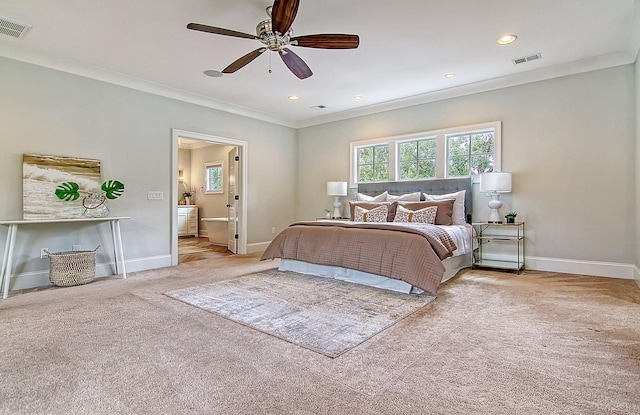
[{"x": 272, "y": 40}]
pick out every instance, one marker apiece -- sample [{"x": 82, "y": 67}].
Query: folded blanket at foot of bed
[{"x": 409, "y": 252}]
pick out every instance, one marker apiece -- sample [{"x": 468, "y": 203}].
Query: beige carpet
[
  {"x": 492, "y": 343},
  {"x": 322, "y": 314}
]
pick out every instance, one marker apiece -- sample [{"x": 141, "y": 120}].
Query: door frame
[{"x": 242, "y": 214}]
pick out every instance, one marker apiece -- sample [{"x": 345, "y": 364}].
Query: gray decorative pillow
[
  {"x": 378, "y": 214},
  {"x": 426, "y": 215}
]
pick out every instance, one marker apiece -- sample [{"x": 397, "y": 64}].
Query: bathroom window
[{"x": 213, "y": 177}]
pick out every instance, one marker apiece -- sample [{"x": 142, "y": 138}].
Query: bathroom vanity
[{"x": 187, "y": 220}]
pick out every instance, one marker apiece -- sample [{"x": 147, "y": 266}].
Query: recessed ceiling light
[
  {"x": 449, "y": 75},
  {"x": 506, "y": 39},
  {"x": 213, "y": 73},
  {"x": 358, "y": 97},
  {"x": 293, "y": 97}
]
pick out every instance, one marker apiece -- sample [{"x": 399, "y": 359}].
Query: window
[
  {"x": 470, "y": 154},
  {"x": 213, "y": 177},
  {"x": 373, "y": 163},
  {"x": 451, "y": 152},
  {"x": 417, "y": 159}
]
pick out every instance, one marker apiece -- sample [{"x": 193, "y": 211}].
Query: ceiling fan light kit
[{"x": 276, "y": 33}]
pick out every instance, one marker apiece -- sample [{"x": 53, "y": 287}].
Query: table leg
[
  {"x": 5, "y": 274},
  {"x": 117, "y": 246}
]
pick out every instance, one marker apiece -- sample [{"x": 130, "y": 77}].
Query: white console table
[{"x": 5, "y": 271}]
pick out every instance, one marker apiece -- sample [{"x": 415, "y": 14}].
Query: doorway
[{"x": 240, "y": 187}]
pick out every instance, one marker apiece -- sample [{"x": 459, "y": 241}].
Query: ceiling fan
[{"x": 276, "y": 33}]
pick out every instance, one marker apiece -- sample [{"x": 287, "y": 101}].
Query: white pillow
[
  {"x": 426, "y": 215},
  {"x": 382, "y": 197},
  {"x": 378, "y": 214},
  {"x": 408, "y": 197},
  {"x": 458, "y": 217}
]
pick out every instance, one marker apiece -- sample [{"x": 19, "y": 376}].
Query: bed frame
[{"x": 430, "y": 186}]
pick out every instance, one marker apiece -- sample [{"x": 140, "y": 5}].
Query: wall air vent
[
  {"x": 527, "y": 59},
  {"x": 13, "y": 28}
]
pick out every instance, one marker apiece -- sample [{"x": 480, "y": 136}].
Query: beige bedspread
[{"x": 396, "y": 250}]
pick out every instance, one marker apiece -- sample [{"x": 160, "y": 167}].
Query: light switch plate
[{"x": 151, "y": 195}]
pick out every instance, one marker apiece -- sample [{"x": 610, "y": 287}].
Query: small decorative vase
[
  {"x": 95, "y": 206},
  {"x": 187, "y": 200},
  {"x": 511, "y": 220}
]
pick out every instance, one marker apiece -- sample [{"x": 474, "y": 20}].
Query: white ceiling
[{"x": 406, "y": 48}]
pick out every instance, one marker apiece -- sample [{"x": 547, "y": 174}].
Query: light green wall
[
  {"x": 637, "y": 118},
  {"x": 569, "y": 142},
  {"x": 44, "y": 111}
]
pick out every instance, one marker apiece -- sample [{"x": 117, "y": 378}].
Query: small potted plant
[
  {"x": 187, "y": 198},
  {"x": 511, "y": 217}
]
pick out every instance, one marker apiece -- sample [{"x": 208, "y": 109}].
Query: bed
[{"x": 400, "y": 256}]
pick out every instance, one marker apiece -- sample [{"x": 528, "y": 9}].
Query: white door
[{"x": 234, "y": 198}]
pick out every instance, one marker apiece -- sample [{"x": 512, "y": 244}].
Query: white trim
[
  {"x": 34, "y": 57},
  {"x": 441, "y": 153},
  {"x": 566, "y": 69},
  {"x": 257, "y": 247},
  {"x": 175, "y": 134},
  {"x": 40, "y": 278},
  {"x": 207, "y": 165},
  {"x": 581, "y": 267},
  {"x": 24, "y": 54}
]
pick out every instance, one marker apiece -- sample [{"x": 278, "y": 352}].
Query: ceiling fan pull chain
[{"x": 269, "y": 63}]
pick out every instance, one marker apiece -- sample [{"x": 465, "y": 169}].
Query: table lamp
[
  {"x": 337, "y": 190},
  {"x": 494, "y": 184}
]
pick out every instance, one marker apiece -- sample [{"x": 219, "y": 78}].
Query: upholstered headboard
[{"x": 432, "y": 186}]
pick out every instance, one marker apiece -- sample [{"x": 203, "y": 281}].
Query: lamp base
[
  {"x": 495, "y": 204},
  {"x": 336, "y": 208}
]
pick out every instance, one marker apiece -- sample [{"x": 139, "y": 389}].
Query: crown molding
[
  {"x": 571, "y": 68},
  {"x": 23, "y": 54},
  {"x": 12, "y": 51}
]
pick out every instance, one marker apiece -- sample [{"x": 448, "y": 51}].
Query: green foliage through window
[
  {"x": 417, "y": 159},
  {"x": 460, "y": 151},
  {"x": 470, "y": 154},
  {"x": 214, "y": 178},
  {"x": 373, "y": 163}
]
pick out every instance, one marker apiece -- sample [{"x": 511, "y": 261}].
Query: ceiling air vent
[
  {"x": 527, "y": 59},
  {"x": 13, "y": 28}
]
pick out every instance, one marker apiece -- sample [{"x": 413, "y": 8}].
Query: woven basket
[{"x": 71, "y": 268}]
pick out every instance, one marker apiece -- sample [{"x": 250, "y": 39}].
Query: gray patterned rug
[{"x": 322, "y": 314}]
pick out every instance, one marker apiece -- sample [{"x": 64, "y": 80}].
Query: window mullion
[{"x": 441, "y": 156}]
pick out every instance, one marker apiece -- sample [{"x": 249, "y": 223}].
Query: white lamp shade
[
  {"x": 336, "y": 188},
  {"x": 495, "y": 182}
]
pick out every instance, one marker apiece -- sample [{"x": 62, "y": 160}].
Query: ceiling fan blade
[
  {"x": 240, "y": 62},
  {"x": 295, "y": 64},
  {"x": 327, "y": 41},
  {"x": 219, "y": 31},
  {"x": 283, "y": 14}
]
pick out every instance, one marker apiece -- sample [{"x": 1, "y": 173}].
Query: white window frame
[
  {"x": 441, "y": 149},
  {"x": 207, "y": 166},
  {"x": 397, "y": 167}
]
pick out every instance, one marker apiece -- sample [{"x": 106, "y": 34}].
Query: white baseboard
[
  {"x": 574, "y": 266},
  {"x": 257, "y": 247},
  {"x": 41, "y": 278},
  {"x": 570, "y": 266}
]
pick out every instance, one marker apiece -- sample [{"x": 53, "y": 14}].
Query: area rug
[{"x": 321, "y": 314}]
